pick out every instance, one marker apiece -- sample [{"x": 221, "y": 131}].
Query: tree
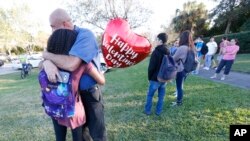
[
  {"x": 193, "y": 17},
  {"x": 98, "y": 12},
  {"x": 246, "y": 26},
  {"x": 231, "y": 12},
  {"x": 172, "y": 34},
  {"x": 13, "y": 27}
]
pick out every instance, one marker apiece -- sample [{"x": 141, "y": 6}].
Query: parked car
[
  {"x": 33, "y": 61},
  {"x": 1, "y": 63},
  {"x": 104, "y": 67},
  {"x": 4, "y": 57}
]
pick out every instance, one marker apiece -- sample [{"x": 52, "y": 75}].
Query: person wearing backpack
[
  {"x": 84, "y": 50},
  {"x": 153, "y": 70},
  {"x": 198, "y": 46},
  {"x": 185, "y": 44},
  {"x": 60, "y": 42}
]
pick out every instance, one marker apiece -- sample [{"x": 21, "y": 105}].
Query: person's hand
[{"x": 51, "y": 71}]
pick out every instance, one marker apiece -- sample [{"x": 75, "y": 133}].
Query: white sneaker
[
  {"x": 175, "y": 94},
  {"x": 222, "y": 78},
  {"x": 213, "y": 77},
  {"x": 206, "y": 68}
]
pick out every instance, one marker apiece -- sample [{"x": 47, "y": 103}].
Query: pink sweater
[{"x": 230, "y": 52}]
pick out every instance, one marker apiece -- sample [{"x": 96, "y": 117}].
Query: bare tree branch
[{"x": 99, "y": 12}]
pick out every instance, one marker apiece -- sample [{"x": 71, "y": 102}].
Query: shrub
[
  {"x": 18, "y": 50},
  {"x": 245, "y": 26},
  {"x": 37, "y": 48},
  {"x": 243, "y": 38}
]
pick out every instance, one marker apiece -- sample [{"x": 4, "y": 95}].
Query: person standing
[
  {"x": 229, "y": 53},
  {"x": 186, "y": 43},
  {"x": 172, "y": 52},
  {"x": 173, "y": 48},
  {"x": 60, "y": 42},
  {"x": 212, "y": 48},
  {"x": 24, "y": 61},
  {"x": 153, "y": 69},
  {"x": 198, "y": 46},
  {"x": 85, "y": 49},
  {"x": 223, "y": 44}
]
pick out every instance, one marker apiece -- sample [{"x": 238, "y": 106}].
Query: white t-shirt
[{"x": 212, "y": 48}]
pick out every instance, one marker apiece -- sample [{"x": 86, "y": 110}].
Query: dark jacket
[{"x": 155, "y": 61}]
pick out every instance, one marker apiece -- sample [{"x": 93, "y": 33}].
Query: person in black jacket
[{"x": 153, "y": 69}]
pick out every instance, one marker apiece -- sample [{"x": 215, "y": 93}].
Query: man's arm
[
  {"x": 66, "y": 62},
  {"x": 85, "y": 46},
  {"x": 51, "y": 70}
]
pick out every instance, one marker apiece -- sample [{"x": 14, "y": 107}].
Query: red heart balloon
[{"x": 121, "y": 47}]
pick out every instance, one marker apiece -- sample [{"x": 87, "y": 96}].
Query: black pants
[
  {"x": 228, "y": 65},
  {"x": 61, "y": 131},
  {"x": 93, "y": 103}
]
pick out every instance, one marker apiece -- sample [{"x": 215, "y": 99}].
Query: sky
[{"x": 163, "y": 10}]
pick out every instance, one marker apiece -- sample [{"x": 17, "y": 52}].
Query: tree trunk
[{"x": 229, "y": 22}]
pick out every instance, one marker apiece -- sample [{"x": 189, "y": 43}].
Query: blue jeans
[
  {"x": 208, "y": 60},
  {"x": 153, "y": 86},
  {"x": 179, "y": 85}
]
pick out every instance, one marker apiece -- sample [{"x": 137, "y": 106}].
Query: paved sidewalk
[
  {"x": 6, "y": 69},
  {"x": 237, "y": 79}
]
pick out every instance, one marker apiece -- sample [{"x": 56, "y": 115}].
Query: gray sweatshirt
[{"x": 180, "y": 54}]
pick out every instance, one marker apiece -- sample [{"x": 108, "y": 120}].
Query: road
[{"x": 6, "y": 69}]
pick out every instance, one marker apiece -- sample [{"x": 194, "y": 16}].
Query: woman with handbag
[{"x": 185, "y": 43}]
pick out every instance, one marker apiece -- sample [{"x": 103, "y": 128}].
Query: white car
[
  {"x": 104, "y": 67},
  {"x": 33, "y": 61}
]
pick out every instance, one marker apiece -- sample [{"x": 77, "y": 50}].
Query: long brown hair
[{"x": 186, "y": 39}]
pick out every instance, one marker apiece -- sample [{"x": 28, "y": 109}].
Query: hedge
[{"x": 243, "y": 38}]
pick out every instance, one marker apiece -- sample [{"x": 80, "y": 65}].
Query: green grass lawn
[
  {"x": 242, "y": 63},
  {"x": 208, "y": 110}
]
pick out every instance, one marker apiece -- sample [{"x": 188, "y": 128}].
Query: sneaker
[
  {"x": 158, "y": 114},
  {"x": 222, "y": 78},
  {"x": 206, "y": 68},
  {"x": 213, "y": 77},
  {"x": 195, "y": 72},
  {"x": 175, "y": 94},
  {"x": 147, "y": 113},
  {"x": 174, "y": 104}
]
